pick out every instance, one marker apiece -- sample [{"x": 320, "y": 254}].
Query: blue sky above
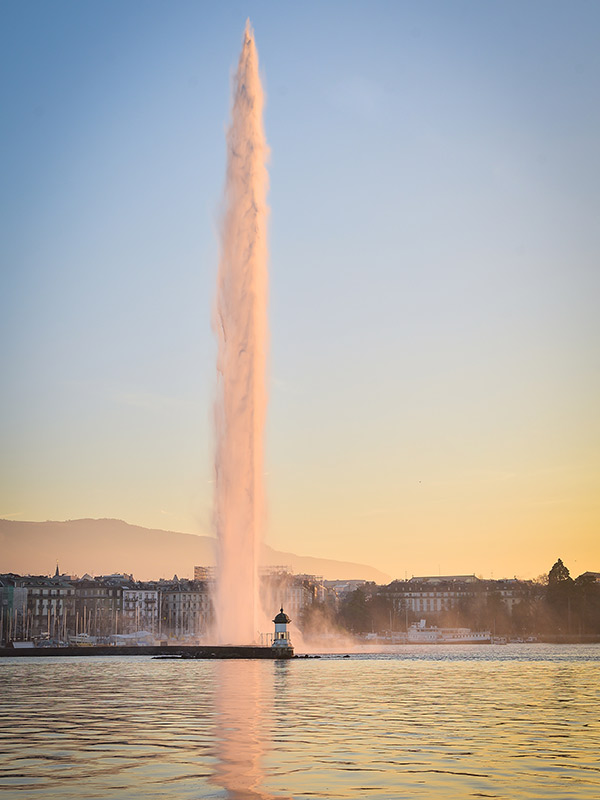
[{"x": 434, "y": 272}]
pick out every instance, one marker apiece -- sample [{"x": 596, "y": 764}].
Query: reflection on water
[
  {"x": 431, "y": 723},
  {"x": 243, "y": 705}
]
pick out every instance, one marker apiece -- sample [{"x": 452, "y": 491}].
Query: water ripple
[{"x": 403, "y": 726}]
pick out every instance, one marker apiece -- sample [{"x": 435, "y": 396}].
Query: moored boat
[{"x": 420, "y": 633}]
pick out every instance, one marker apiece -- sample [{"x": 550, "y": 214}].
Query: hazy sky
[{"x": 435, "y": 273}]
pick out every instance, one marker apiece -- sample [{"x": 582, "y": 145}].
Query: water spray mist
[{"x": 240, "y": 324}]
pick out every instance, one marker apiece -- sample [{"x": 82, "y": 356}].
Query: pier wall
[{"x": 186, "y": 651}]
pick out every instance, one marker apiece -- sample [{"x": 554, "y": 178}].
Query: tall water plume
[{"x": 240, "y": 324}]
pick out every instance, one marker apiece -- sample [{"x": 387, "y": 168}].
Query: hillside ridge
[{"x": 105, "y": 546}]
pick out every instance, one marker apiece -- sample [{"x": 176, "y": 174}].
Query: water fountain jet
[{"x": 240, "y": 324}]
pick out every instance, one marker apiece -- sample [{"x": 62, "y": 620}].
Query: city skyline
[
  {"x": 61, "y": 606},
  {"x": 434, "y": 333}
]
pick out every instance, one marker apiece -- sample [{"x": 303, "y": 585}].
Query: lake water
[{"x": 435, "y": 722}]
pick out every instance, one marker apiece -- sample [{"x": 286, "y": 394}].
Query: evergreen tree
[
  {"x": 559, "y": 598},
  {"x": 558, "y": 574}
]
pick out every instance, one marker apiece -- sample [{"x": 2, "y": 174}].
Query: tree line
[{"x": 555, "y": 604}]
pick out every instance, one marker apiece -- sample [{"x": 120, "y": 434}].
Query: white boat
[{"x": 419, "y": 633}]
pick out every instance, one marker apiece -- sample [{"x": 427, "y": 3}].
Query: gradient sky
[{"x": 435, "y": 273}]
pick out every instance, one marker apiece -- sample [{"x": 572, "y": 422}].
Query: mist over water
[{"x": 240, "y": 324}]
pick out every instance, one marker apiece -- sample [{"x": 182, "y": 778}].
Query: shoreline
[{"x": 254, "y": 652}]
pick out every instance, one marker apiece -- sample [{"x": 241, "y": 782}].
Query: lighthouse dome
[{"x": 281, "y": 618}]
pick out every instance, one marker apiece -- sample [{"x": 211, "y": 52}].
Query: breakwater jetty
[{"x": 184, "y": 651}]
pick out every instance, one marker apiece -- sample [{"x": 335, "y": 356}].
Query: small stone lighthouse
[{"x": 282, "y": 636}]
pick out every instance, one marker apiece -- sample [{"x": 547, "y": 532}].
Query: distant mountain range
[{"x": 105, "y": 546}]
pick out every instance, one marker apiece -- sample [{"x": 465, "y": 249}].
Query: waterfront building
[
  {"x": 593, "y": 577},
  {"x": 98, "y": 607},
  {"x": 140, "y": 608},
  {"x": 13, "y": 608},
  {"x": 204, "y": 574},
  {"x": 435, "y": 579},
  {"x": 340, "y": 589},
  {"x": 442, "y": 596},
  {"x": 295, "y": 592},
  {"x": 431, "y": 595},
  {"x": 36, "y": 606},
  {"x": 185, "y": 609}
]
